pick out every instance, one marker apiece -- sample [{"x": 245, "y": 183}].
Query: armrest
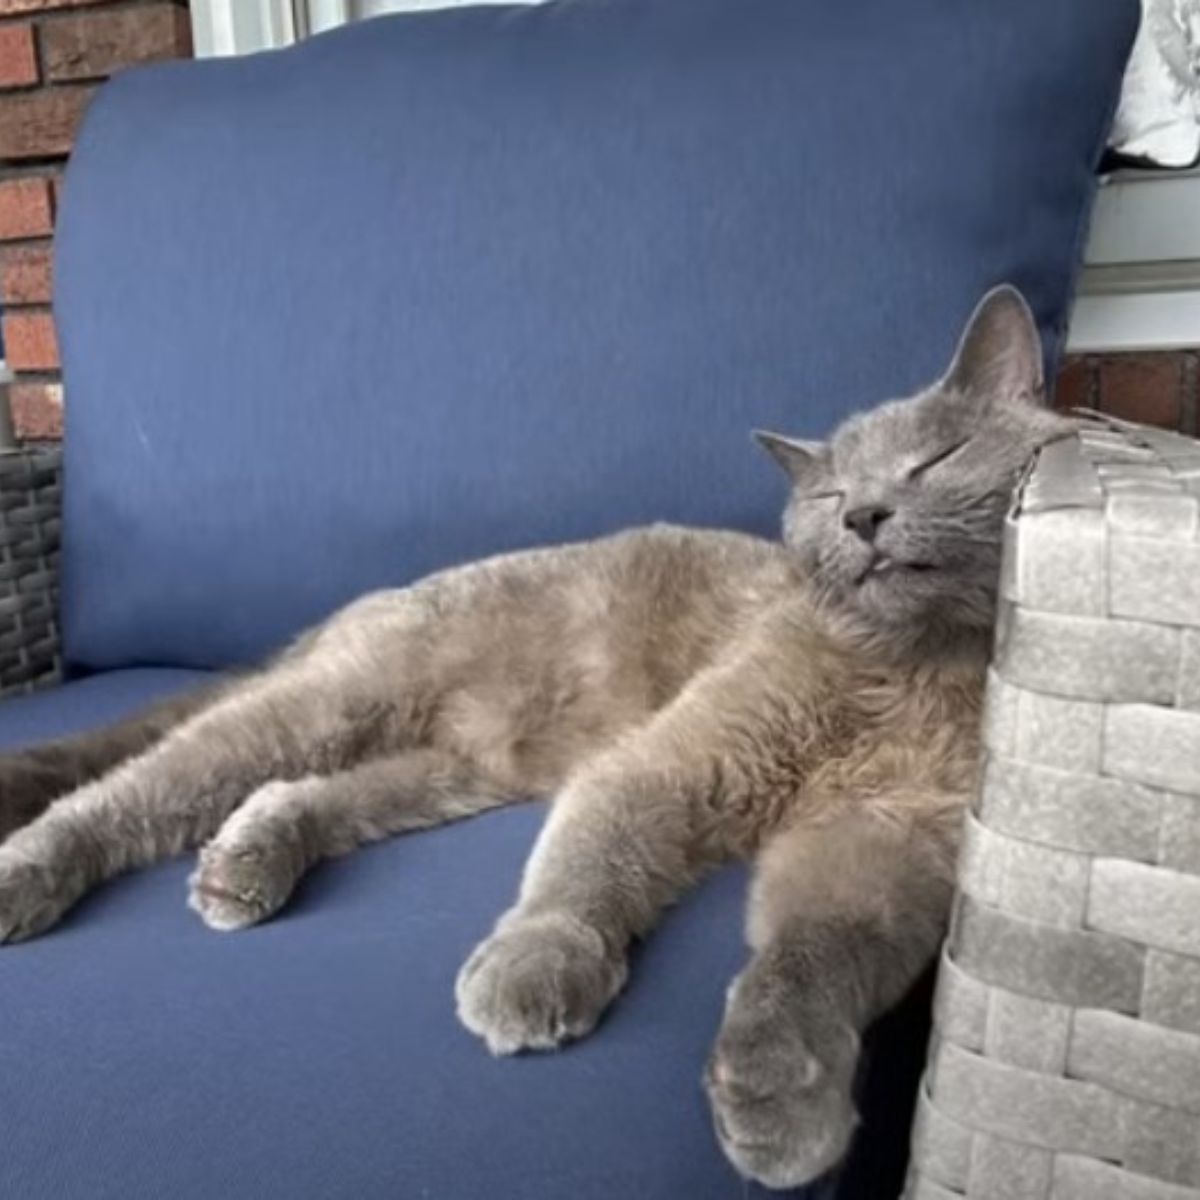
[
  {"x": 1065, "y": 1062},
  {"x": 30, "y": 521}
]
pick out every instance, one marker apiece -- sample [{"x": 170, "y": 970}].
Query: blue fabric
[
  {"x": 87, "y": 702},
  {"x": 441, "y": 284},
  {"x": 143, "y": 1056}
]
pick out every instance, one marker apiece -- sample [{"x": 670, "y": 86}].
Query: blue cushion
[
  {"x": 143, "y": 1056},
  {"x": 84, "y": 703},
  {"x": 446, "y": 283}
]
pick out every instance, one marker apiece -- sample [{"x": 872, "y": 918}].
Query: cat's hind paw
[
  {"x": 781, "y": 1093},
  {"x": 33, "y": 897},
  {"x": 537, "y": 982}
]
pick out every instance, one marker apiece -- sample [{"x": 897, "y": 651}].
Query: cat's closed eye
[{"x": 941, "y": 457}]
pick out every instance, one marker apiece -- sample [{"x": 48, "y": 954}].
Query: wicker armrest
[
  {"x": 30, "y": 519},
  {"x": 1065, "y": 1063}
]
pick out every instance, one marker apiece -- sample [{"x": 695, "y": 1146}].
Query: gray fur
[{"x": 686, "y": 696}]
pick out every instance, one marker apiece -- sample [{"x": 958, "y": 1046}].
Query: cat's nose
[{"x": 866, "y": 521}]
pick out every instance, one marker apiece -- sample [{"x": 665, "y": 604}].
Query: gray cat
[{"x": 686, "y": 696}]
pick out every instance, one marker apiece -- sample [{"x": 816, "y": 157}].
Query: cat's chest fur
[{"x": 809, "y": 715}]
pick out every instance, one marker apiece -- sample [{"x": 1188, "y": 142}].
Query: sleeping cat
[{"x": 686, "y": 696}]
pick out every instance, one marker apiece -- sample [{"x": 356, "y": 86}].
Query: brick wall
[
  {"x": 53, "y": 53},
  {"x": 1159, "y": 389}
]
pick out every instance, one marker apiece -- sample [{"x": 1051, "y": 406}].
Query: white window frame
[
  {"x": 221, "y": 27},
  {"x": 1140, "y": 287}
]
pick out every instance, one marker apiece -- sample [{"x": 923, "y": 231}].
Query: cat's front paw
[
  {"x": 779, "y": 1082},
  {"x": 33, "y": 897},
  {"x": 243, "y": 879},
  {"x": 537, "y": 982}
]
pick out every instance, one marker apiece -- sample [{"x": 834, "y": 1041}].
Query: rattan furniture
[
  {"x": 30, "y": 507},
  {"x": 1065, "y": 1060}
]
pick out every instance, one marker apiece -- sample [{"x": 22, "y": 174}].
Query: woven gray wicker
[
  {"x": 1065, "y": 1062},
  {"x": 30, "y": 504}
]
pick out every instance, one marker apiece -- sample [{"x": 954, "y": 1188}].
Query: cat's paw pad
[
  {"x": 241, "y": 882},
  {"x": 32, "y": 898},
  {"x": 536, "y": 983},
  {"x": 781, "y": 1095}
]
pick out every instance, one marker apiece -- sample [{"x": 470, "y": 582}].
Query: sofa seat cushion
[
  {"x": 446, "y": 283},
  {"x": 317, "y": 1057},
  {"x": 89, "y": 702}
]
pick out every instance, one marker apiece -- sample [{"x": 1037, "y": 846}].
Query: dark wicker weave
[{"x": 30, "y": 510}]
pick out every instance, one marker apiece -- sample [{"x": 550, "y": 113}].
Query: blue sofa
[{"x": 422, "y": 289}]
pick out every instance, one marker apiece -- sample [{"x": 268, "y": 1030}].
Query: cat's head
[{"x": 901, "y": 513}]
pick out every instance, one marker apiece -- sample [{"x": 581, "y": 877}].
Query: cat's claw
[
  {"x": 781, "y": 1092},
  {"x": 32, "y": 898},
  {"x": 537, "y": 982}
]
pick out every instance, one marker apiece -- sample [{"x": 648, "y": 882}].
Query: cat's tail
[{"x": 31, "y": 779}]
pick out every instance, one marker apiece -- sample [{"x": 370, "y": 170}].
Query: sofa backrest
[{"x": 443, "y": 284}]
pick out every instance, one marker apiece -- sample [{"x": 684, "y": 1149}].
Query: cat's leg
[
  {"x": 613, "y": 854},
  {"x": 175, "y": 795},
  {"x": 247, "y": 872},
  {"x": 627, "y": 835},
  {"x": 843, "y": 918},
  {"x": 31, "y": 779}
]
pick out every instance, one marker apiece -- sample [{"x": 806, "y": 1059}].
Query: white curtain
[{"x": 1158, "y": 120}]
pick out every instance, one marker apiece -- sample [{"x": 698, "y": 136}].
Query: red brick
[
  {"x": 94, "y": 45},
  {"x": 26, "y": 274},
  {"x": 1074, "y": 387},
  {"x": 9, "y": 7},
  {"x": 1143, "y": 387},
  {"x": 30, "y": 342},
  {"x": 37, "y": 410},
  {"x": 41, "y": 124},
  {"x": 26, "y": 207},
  {"x": 1190, "y": 420},
  {"x": 18, "y": 59}
]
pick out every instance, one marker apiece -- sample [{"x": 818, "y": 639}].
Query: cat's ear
[
  {"x": 1000, "y": 353},
  {"x": 797, "y": 457}
]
